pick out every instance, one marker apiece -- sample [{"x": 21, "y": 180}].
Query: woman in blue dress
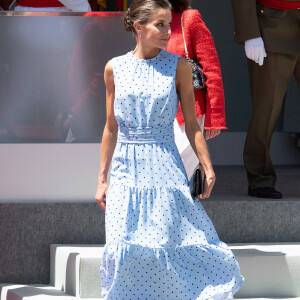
[{"x": 160, "y": 243}]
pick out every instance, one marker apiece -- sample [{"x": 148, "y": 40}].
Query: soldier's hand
[{"x": 255, "y": 50}]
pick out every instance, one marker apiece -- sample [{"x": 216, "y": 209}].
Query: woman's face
[{"x": 157, "y": 31}]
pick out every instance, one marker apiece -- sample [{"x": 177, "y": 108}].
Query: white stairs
[{"x": 271, "y": 271}]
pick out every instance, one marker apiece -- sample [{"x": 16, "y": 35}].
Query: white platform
[{"x": 270, "y": 270}]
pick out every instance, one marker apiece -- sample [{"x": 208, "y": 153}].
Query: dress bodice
[{"x": 147, "y": 95}]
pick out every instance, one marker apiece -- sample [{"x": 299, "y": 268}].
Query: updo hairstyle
[{"x": 141, "y": 11}]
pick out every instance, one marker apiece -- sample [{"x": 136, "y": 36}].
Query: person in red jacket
[{"x": 210, "y": 100}]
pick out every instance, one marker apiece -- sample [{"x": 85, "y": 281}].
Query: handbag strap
[{"x": 185, "y": 48}]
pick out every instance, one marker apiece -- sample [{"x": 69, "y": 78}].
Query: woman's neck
[{"x": 145, "y": 52}]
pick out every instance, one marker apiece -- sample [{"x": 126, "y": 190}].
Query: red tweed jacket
[{"x": 209, "y": 101}]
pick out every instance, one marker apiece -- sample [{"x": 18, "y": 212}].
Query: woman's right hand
[
  {"x": 101, "y": 194},
  {"x": 109, "y": 137}
]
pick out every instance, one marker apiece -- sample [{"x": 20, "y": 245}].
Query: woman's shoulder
[
  {"x": 169, "y": 58},
  {"x": 169, "y": 55},
  {"x": 120, "y": 61},
  {"x": 116, "y": 63},
  {"x": 183, "y": 63}
]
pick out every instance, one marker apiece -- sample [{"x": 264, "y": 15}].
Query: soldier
[{"x": 270, "y": 31}]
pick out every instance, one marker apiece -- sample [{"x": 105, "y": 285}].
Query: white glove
[
  {"x": 255, "y": 50},
  {"x": 77, "y": 5}
]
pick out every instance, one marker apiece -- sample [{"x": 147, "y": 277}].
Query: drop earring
[{"x": 139, "y": 35}]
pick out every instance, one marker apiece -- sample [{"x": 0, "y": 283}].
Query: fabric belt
[
  {"x": 280, "y": 4},
  {"x": 40, "y": 3},
  {"x": 141, "y": 135}
]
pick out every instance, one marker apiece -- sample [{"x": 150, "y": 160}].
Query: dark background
[{"x": 51, "y": 75}]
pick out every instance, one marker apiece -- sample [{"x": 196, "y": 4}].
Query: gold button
[{"x": 262, "y": 11}]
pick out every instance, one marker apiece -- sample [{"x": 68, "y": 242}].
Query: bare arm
[
  {"x": 186, "y": 95},
  {"x": 109, "y": 138}
]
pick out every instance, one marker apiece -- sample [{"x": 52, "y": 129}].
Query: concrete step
[
  {"x": 27, "y": 260},
  {"x": 246, "y": 220},
  {"x": 75, "y": 269},
  {"x": 32, "y": 292},
  {"x": 254, "y": 220}
]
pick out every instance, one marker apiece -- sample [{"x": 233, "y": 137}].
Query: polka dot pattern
[{"x": 160, "y": 243}]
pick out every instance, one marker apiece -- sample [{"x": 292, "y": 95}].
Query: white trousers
[{"x": 188, "y": 156}]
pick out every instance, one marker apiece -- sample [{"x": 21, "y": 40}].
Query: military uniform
[{"x": 278, "y": 23}]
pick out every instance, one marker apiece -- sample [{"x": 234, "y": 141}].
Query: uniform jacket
[
  {"x": 280, "y": 29},
  {"x": 200, "y": 45}
]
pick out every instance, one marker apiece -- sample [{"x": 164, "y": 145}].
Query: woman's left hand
[
  {"x": 209, "y": 182},
  {"x": 211, "y": 133}
]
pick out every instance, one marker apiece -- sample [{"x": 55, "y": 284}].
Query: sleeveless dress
[{"x": 160, "y": 243}]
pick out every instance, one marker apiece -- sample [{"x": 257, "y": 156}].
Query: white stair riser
[
  {"x": 76, "y": 269},
  {"x": 89, "y": 281}
]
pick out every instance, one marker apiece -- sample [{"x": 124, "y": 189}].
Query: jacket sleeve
[
  {"x": 245, "y": 20},
  {"x": 205, "y": 51}
]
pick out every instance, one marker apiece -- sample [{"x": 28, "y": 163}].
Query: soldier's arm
[{"x": 245, "y": 20}]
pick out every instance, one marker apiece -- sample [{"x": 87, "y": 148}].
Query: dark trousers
[{"x": 268, "y": 86}]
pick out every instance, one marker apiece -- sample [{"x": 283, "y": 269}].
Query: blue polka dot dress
[{"x": 160, "y": 243}]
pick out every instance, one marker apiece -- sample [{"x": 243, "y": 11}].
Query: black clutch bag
[{"x": 197, "y": 183}]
